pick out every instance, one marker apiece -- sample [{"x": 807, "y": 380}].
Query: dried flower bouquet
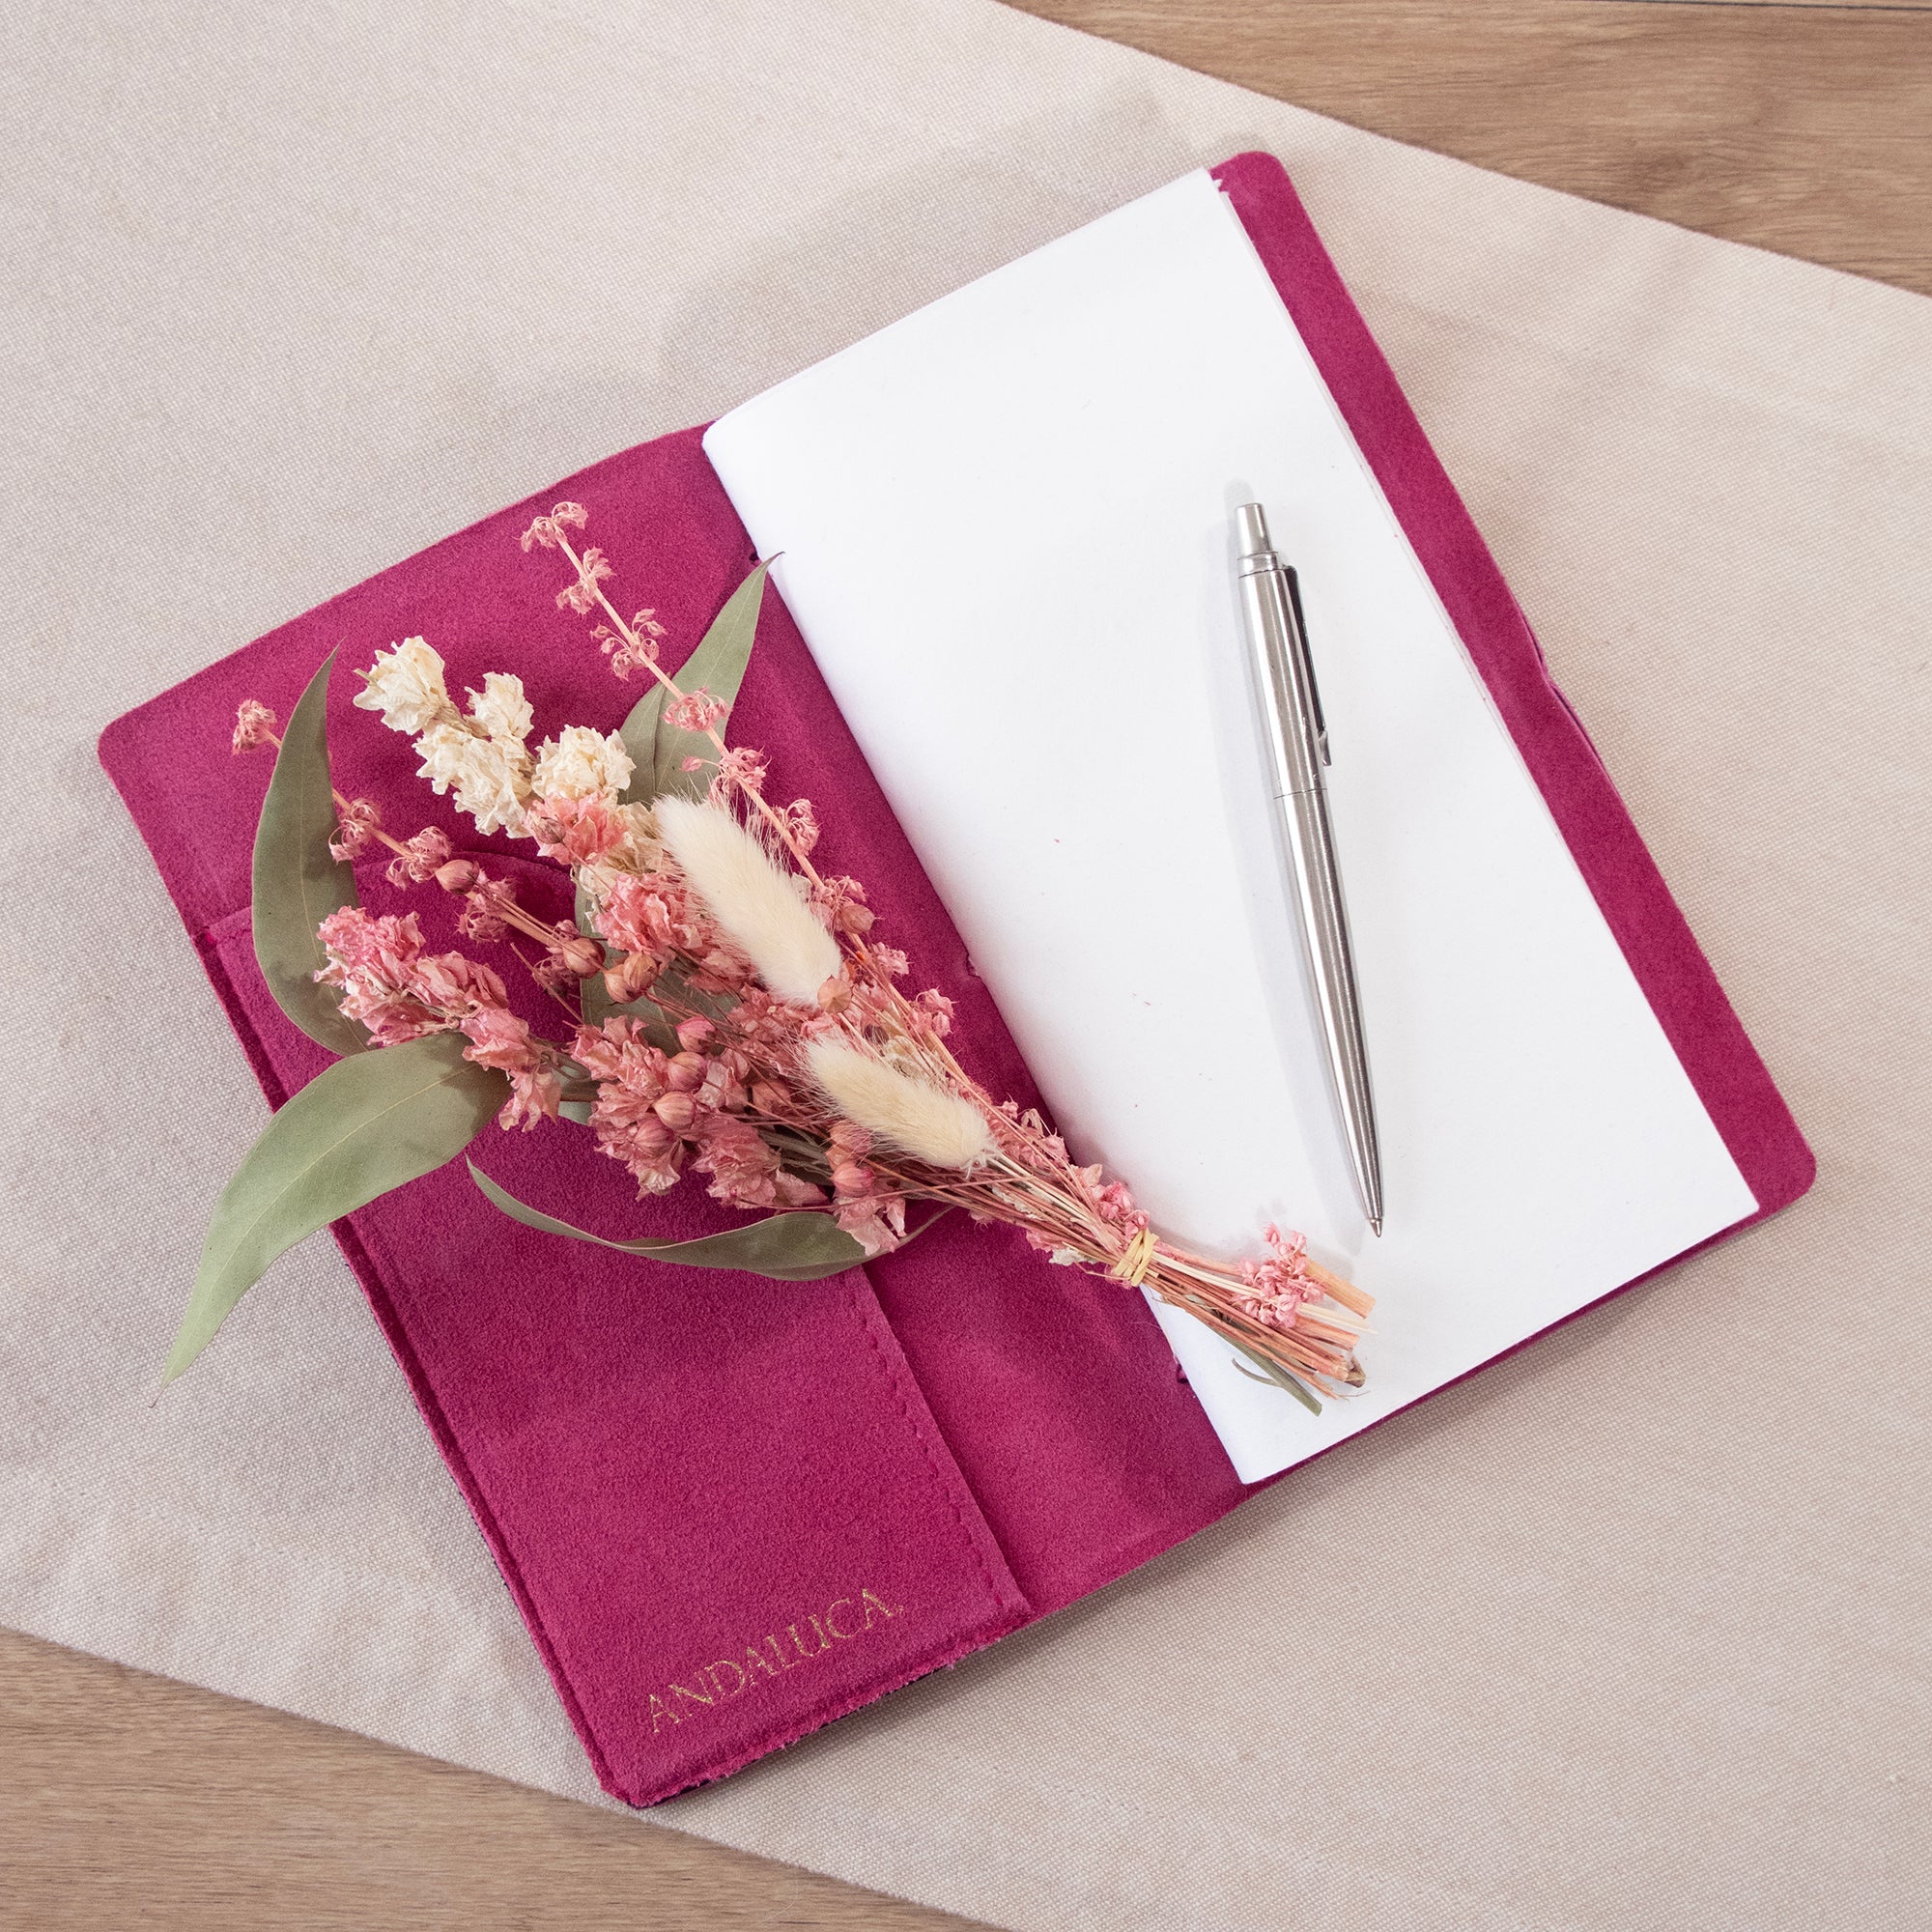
[{"x": 724, "y": 1008}]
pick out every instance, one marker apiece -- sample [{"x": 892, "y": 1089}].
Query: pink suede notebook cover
[{"x": 730, "y": 1509}]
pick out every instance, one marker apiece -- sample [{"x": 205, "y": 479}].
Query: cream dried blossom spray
[{"x": 730, "y": 1010}]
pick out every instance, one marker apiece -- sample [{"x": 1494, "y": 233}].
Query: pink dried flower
[
  {"x": 631, "y": 978},
  {"x": 694, "y": 711},
  {"x": 358, "y": 940},
  {"x": 580, "y": 955},
  {"x": 575, "y": 831},
  {"x": 722, "y": 970},
  {"x": 630, "y": 1072},
  {"x": 374, "y": 963},
  {"x": 1277, "y": 1287},
  {"x": 536, "y": 1094},
  {"x": 766, "y": 1072},
  {"x": 549, "y": 531},
  {"x": 851, "y": 1180},
  {"x": 684, "y": 1071},
  {"x": 802, "y": 823},
  {"x": 497, "y": 1038},
  {"x": 841, "y": 904},
  {"x": 255, "y": 726},
  {"x": 501, "y": 1041},
  {"x": 628, "y": 658},
  {"x": 419, "y": 861},
  {"x": 875, "y": 1221},
  {"x": 744, "y": 1169},
  {"x": 456, "y": 984},
  {"x": 391, "y": 1018},
  {"x": 641, "y": 916},
  {"x": 740, "y": 767},
  {"x": 356, "y": 823},
  {"x": 484, "y": 908},
  {"x": 775, "y": 1100},
  {"x": 935, "y": 1012},
  {"x": 592, "y": 568},
  {"x": 638, "y": 650}
]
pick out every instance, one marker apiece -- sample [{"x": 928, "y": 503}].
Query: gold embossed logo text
[{"x": 726, "y": 1679}]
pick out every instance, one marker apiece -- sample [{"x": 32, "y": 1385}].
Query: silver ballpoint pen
[{"x": 1297, "y": 741}]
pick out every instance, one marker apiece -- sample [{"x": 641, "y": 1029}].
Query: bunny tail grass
[
  {"x": 759, "y": 906},
  {"x": 912, "y": 1114}
]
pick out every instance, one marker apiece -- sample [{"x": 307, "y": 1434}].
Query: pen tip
[{"x": 1375, "y": 1226}]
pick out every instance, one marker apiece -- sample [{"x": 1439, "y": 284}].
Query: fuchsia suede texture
[{"x": 692, "y": 1481}]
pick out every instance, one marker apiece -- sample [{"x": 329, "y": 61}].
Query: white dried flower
[
  {"x": 761, "y": 908},
  {"x": 639, "y": 849},
  {"x": 405, "y": 684},
  {"x": 501, "y": 711},
  {"x": 913, "y": 1115},
  {"x": 581, "y": 763},
  {"x": 491, "y": 783}
]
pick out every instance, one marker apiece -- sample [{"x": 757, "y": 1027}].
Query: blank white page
[{"x": 1006, "y": 533}]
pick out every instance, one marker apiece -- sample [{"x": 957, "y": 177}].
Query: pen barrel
[
  {"x": 1308, "y": 839},
  {"x": 1284, "y": 677},
  {"x": 1297, "y": 750}
]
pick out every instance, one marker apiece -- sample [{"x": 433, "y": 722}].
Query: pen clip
[{"x": 1307, "y": 663}]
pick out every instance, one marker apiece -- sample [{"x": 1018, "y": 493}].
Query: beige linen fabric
[{"x": 1632, "y": 1630}]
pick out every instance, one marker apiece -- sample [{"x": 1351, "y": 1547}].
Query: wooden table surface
[{"x": 127, "y": 1799}]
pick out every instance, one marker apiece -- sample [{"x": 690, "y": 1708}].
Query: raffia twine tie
[{"x": 1136, "y": 1258}]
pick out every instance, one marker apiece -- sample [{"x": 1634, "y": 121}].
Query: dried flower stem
[{"x": 772, "y": 818}]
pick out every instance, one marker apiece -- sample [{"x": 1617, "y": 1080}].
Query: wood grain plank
[
  {"x": 1822, "y": 6},
  {"x": 127, "y": 1799},
  {"x": 1802, "y": 129}
]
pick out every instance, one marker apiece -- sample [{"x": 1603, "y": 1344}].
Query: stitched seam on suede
[
  {"x": 828, "y": 1709},
  {"x": 368, "y": 1256},
  {"x": 362, "y": 1261},
  {"x": 361, "y": 1257},
  {"x": 920, "y": 1434}
]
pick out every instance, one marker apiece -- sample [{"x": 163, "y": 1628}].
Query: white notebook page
[{"x": 1005, "y": 527}]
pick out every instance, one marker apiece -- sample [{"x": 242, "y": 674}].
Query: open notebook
[
  {"x": 1005, "y": 666},
  {"x": 1003, "y": 527}
]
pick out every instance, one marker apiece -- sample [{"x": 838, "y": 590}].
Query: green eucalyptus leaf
[
  {"x": 794, "y": 1246},
  {"x": 296, "y": 884},
  {"x": 1269, "y": 1373},
  {"x": 718, "y": 665},
  {"x": 360, "y": 1127}
]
